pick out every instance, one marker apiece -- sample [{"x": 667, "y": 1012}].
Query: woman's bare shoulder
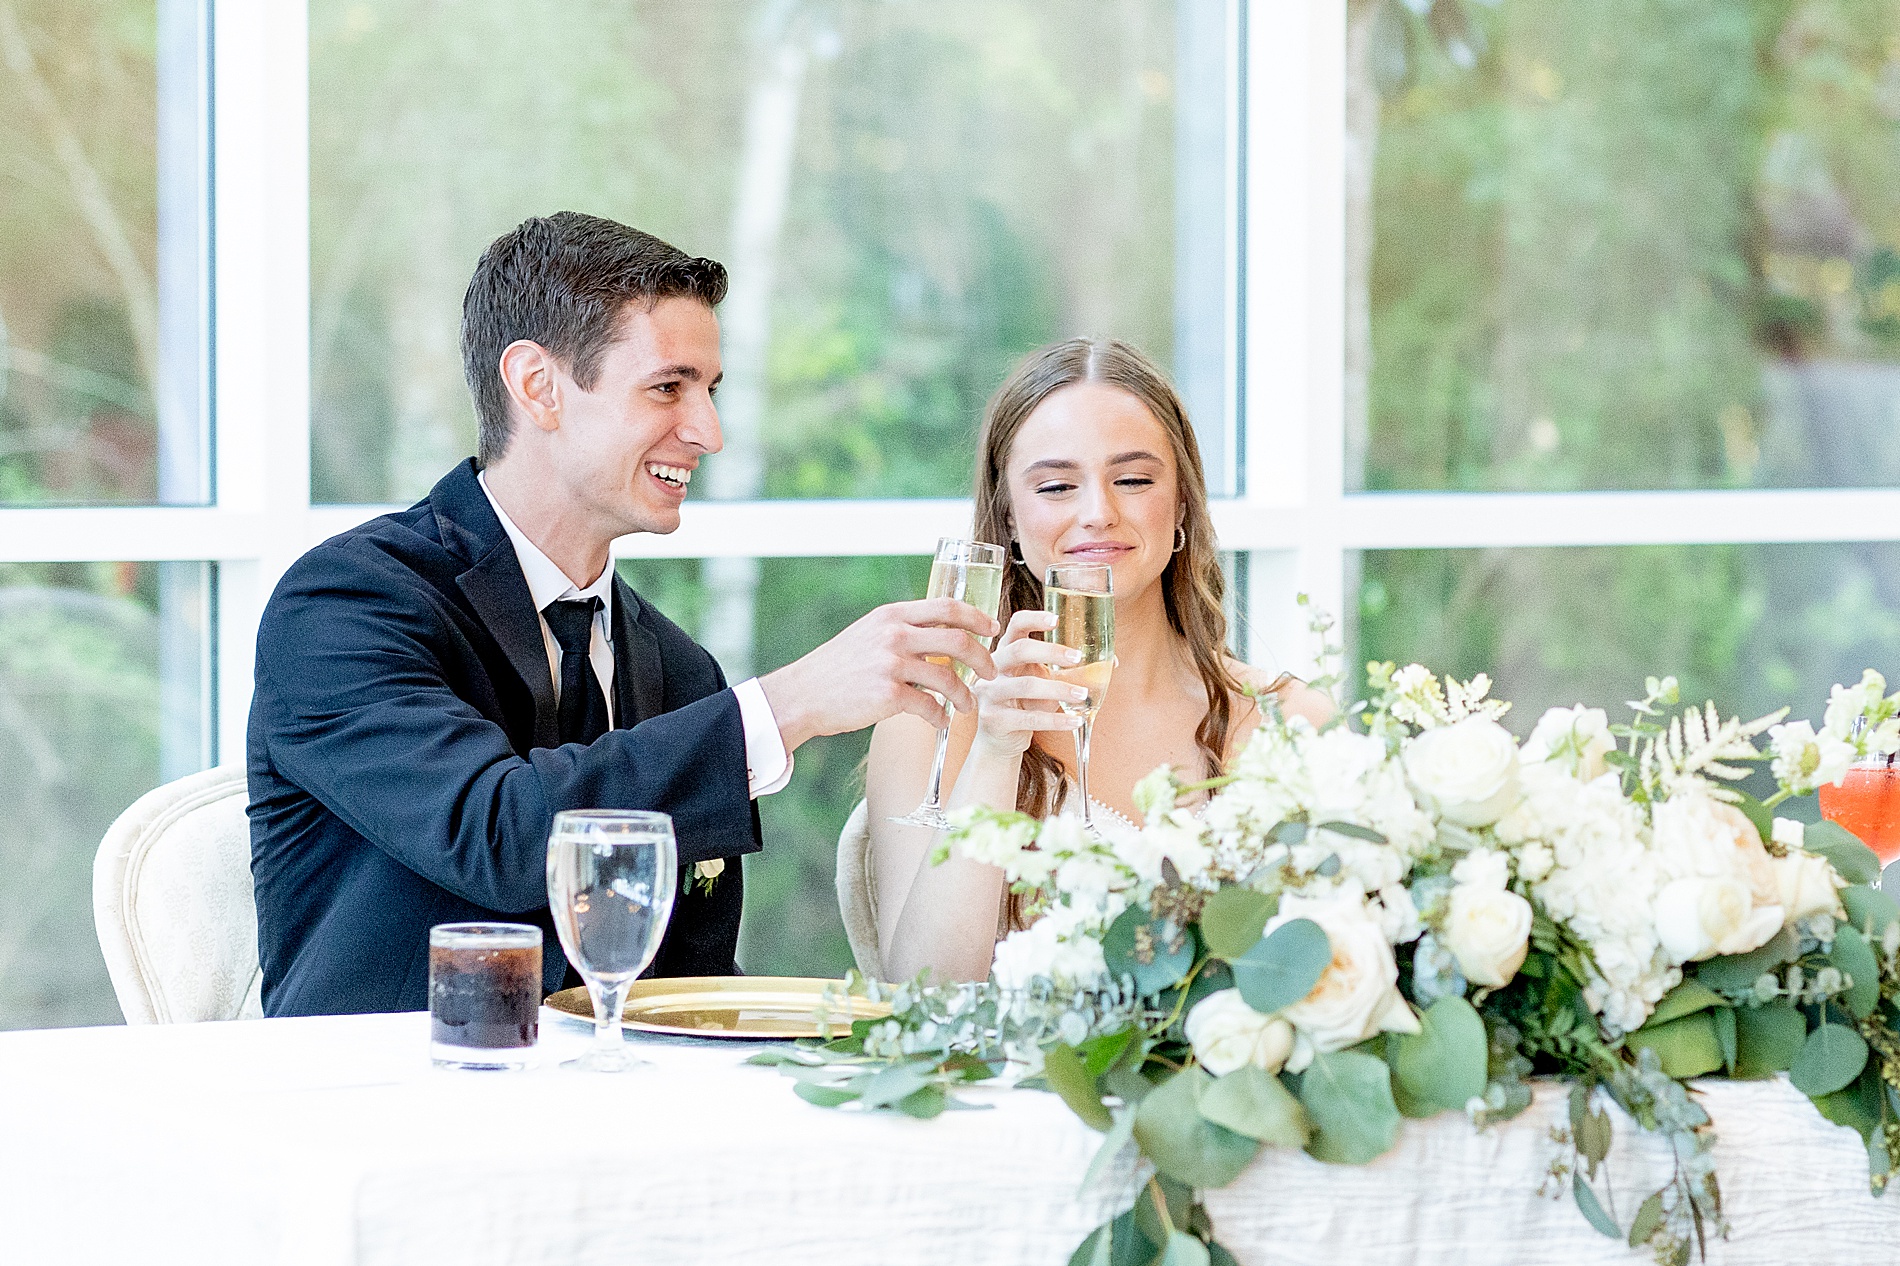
[{"x": 1296, "y": 698}]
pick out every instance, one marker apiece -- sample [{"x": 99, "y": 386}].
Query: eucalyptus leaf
[
  {"x": 823, "y": 1096},
  {"x": 1353, "y": 830},
  {"x": 1092, "y": 1251},
  {"x": 1184, "y": 1250},
  {"x": 1685, "y": 999},
  {"x": 1725, "y": 1036},
  {"x": 889, "y": 1085},
  {"x": 1858, "y": 1106},
  {"x": 1737, "y": 973},
  {"x": 1182, "y": 1143},
  {"x": 1288, "y": 833},
  {"x": 1164, "y": 966},
  {"x": 1852, "y": 858},
  {"x": 1062, "y": 1068},
  {"x": 1592, "y": 1209},
  {"x": 1283, "y": 967},
  {"x": 1869, "y": 910},
  {"x": 1218, "y": 1256},
  {"x": 1232, "y": 920},
  {"x": 1852, "y": 955},
  {"x": 1594, "y": 1136},
  {"x": 1687, "y": 1047},
  {"x": 1830, "y": 1060},
  {"x": 1648, "y": 1218},
  {"x": 1103, "y": 1052},
  {"x": 1445, "y": 1063},
  {"x": 923, "y": 1103},
  {"x": 1767, "y": 1039},
  {"x": 1348, "y": 1099},
  {"x": 1254, "y": 1102},
  {"x": 1119, "y": 1135}
]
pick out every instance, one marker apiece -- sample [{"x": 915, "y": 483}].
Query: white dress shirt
[{"x": 768, "y": 764}]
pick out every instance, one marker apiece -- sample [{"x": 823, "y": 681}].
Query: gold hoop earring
[
  {"x": 1180, "y": 538},
  {"x": 1016, "y": 553}
]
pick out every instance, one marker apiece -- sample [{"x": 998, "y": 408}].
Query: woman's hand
[{"x": 1022, "y": 699}]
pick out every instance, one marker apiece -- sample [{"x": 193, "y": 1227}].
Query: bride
[{"x": 1085, "y": 456}]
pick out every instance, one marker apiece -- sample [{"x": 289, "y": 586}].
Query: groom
[{"x": 433, "y": 686}]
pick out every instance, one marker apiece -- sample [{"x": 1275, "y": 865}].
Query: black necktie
[{"x": 583, "y": 706}]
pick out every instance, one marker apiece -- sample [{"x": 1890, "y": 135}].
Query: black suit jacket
[{"x": 404, "y": 769}]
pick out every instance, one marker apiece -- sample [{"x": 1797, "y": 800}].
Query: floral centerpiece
[{"x": 1408, "y": 912}]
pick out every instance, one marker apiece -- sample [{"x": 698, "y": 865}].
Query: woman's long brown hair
[{"x": 1192, "y": 585}]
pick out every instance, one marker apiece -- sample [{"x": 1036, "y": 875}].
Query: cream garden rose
[
  {"x": 1809, "y": 885},
  {"x": 1467, "y": 770},
  {"x": 1357, "y": 995},
  {"x": 1488, "y": 930},
  {"x": 1227, "y": 1034},
  {"x": 1723, "y": 895}
]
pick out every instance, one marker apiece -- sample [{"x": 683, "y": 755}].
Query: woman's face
[{"x": 1092, "y": 479}]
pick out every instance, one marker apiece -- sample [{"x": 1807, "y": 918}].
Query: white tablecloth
[{"x": 331, "y": 1142}]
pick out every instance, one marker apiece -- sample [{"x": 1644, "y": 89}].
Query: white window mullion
[{"x": 262, "y": 258}]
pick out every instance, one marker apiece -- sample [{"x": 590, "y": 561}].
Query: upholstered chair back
[
  {"x": 171, "y": 897},
  {"x": 857, "y": 892}
]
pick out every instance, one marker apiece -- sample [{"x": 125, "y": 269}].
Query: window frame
[{"x": 1294, "y": 519}]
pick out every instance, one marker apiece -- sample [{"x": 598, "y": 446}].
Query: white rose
[
  {"x": 1467, "y": 769},
  {"x": 1357, "y": 995},
  {"x": 1701, "y": 918},
  {"x": 1808, "y": 885},
  {"x": 1789, "y": 833},
  {"x": 1575, "y": 739},
  {"x": 1228, "y": 1034},
  {"x": 1489, "y": 931}
]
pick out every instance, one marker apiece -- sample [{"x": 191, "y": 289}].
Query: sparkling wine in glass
[
  {"x": 1868, "y": 803},
  {"x": 972, "y": 572},
  {"x": 1082, "y": 599},
  {"x": 612, "y": 874}
]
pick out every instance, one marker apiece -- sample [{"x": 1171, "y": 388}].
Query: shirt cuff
[{"x": 768, "y": 766}]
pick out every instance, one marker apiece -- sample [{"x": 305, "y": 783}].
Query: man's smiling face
[{"x": 627, "y": 447}]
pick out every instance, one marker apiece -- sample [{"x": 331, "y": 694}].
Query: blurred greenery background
[{"x": 1634, "y": 244}]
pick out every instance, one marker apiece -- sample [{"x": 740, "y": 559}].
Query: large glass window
[
  {"x": 791, "y": 925},
  {"x": 103, "y": 695},
  {"x": 1624, "y": 244},
  {"x": 103, "y": 373},
  {"x": 909, "y": 196},
  {"x": 1753, "y": 627}
]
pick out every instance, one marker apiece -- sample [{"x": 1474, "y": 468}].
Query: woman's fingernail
[
  {"x": 1072, "y": 657},
  {"x": 1077, "y": 694}
]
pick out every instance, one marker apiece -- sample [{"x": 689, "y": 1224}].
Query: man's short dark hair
[{"x": 563, "y": 281}]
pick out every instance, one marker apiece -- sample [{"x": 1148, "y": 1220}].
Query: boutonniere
[{"x": 704, "y": 874}]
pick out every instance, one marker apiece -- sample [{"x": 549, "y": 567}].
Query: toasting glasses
[
  {"x": 612, "y": 874},
  {"x": 972, "y": 572},
  {"x": 1081, "y": 596}
]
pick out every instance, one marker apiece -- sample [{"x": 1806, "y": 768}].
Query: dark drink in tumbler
[{"x": 484, "y": 994}]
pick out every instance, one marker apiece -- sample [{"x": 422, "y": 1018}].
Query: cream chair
[
  {"x": 172, "y": 901},
  {"x": 857, "y": 891}
]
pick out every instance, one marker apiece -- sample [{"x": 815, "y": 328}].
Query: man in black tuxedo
[{"x": 432, "y": 687}]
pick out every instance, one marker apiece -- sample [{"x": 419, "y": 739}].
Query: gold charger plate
[{"x": 748, "y": 1007}]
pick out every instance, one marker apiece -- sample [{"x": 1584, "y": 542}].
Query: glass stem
[
  {"x": 935, "y": 801},
  {"x": 1082, "y": 768},
  {"x": 610, "y": 1000}
]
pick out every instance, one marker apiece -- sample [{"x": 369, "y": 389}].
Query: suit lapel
[
  {"x": 637, "y": 684},
  {"x": 499, "y": 593}
]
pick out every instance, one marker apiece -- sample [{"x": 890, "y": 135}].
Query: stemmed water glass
[
  {"x": 1081, "y": 596},
  {"x": 612, "y": 874},
  {"x": 972, "y": 572}
]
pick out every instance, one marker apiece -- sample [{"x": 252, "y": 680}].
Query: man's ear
[{"x": 527, "y": 373}]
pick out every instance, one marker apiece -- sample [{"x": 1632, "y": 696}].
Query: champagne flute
[
  {"x": 612, "y": 874},
  {"x": 1081, "y": 596},
  {"x": 972, "y": 572}
]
